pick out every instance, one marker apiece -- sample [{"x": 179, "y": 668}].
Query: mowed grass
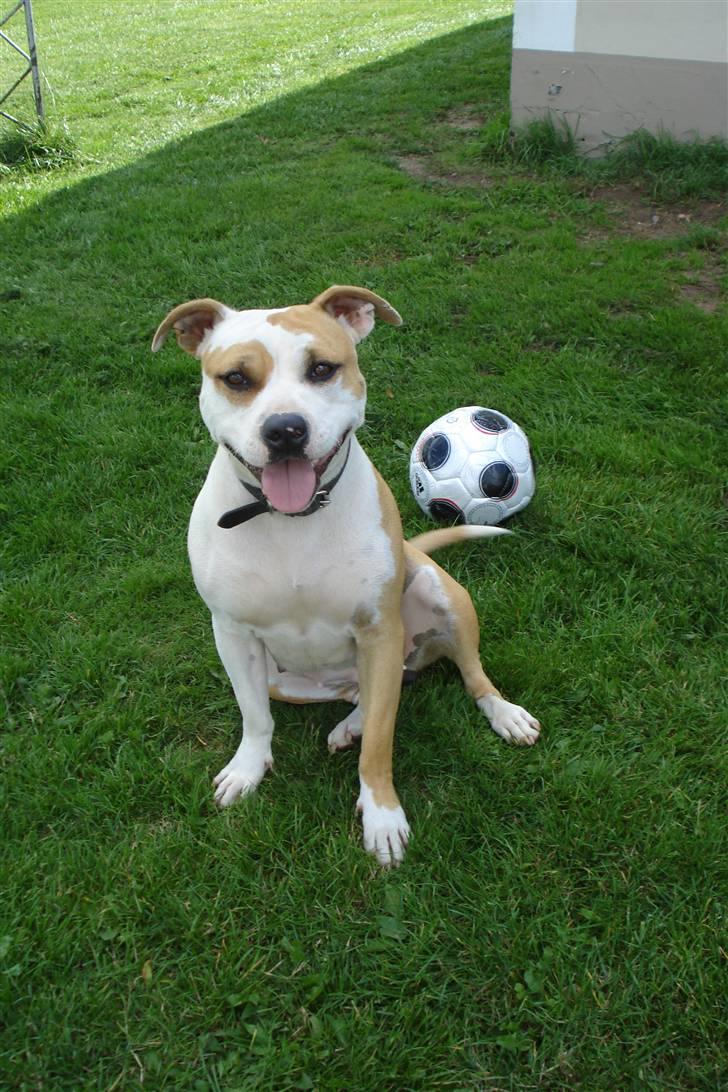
[{"x": 558, "y": 921}]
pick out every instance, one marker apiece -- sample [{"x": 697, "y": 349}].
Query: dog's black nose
[{"x": 285, "y": 434}]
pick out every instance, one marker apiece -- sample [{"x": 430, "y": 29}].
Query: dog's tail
[{"x": 449, "y": 536}]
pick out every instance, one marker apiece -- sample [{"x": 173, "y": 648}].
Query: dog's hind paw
[
  {"x": 346, "y": 732},
  {"x": 511, "y": 722}
]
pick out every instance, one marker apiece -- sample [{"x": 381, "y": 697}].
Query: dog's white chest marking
[{"x": 319, "y": 570}]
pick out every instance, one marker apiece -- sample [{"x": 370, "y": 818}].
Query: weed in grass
[
  {"x": 40, "y": 147},
  {"x": 667, "y": 169},
  {"x": 670, "y": 169},
  {"x": 540, "y": 142}
]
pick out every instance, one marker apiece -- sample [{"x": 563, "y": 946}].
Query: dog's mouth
[{"x": 290, "y": 485}]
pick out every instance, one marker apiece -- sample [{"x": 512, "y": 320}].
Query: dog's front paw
[
  {"x": 240, "y": 777},
  {"x": 386, "y": 830},
  {"x": 511, "y": 722}
]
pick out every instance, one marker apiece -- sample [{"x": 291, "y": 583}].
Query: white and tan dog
[{"x": 296, "y": 545}]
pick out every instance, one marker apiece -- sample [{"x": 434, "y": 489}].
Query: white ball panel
[
  {"x": 421, "y": 484},
  {"x": 514, "y": 446},
  {"x": 485, "y": 512},
  {"x": 452, "y": 490},
  {"x": 482, "y": 441},
  {"x": 474, "y": 467}
]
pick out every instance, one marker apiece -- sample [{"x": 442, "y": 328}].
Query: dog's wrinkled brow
[{"x": 251, "y": 357}]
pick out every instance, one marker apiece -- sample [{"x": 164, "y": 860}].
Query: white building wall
[
  {"x": 545, "y": 24},
  {"x": 683, "y": 30}
]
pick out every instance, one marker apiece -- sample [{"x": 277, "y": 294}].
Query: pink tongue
[{"x": 289, "y": 485}]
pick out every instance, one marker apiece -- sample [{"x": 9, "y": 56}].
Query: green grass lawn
[{"x": 558, "y": 921}]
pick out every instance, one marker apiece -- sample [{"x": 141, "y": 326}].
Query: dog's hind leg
[
  {"x": 440, "y": 620},
  {"x": 329, "y": 684},
  {"x": 512, "y": 722}
]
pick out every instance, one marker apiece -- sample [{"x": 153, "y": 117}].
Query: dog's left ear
[
  {"x": 190, "y": 322},
  {"x": 355, "y": 309}
]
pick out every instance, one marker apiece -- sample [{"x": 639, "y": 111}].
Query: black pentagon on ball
[
  {"x": 487, "y": 420},
  {"x": 435, "y": 451},
  {"x": 498, "y": 480},
  {"x": 446, "y": 511}
]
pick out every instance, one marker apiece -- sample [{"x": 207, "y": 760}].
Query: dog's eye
[
  {"x": 321, "y": 371},
  {"x": 237, "y": 381}
]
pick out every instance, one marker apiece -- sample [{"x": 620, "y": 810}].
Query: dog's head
[{"x": 281, "y": 389}]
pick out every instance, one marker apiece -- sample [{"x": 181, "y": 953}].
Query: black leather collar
[{"x": 320, "y": 499}]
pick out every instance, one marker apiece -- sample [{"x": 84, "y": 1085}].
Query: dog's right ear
[{"x": 190, "y": 322}]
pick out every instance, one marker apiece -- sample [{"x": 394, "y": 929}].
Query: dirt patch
[
  {"x": 464, "y": 119},
  {"x": 703, "y": 288},
  {"x": 633, "y": 213},
  {"x": 423, "y": 168},
  {"x": 419, "y": 167}
]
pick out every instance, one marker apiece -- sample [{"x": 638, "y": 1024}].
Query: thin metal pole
[
  {"x": 17, "y": 121},
  {"x": 19, "y": 80},
  {"x": 14, "y": 45},
  {"x": 31, "y": 57},
  {"x": 12, "y": 12},
  {"x": 37, "y": 91}
]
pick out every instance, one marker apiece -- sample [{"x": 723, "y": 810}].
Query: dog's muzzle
[{"x": 289, "y": 482}]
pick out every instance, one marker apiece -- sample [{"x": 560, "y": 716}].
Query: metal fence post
[
  {"x": 31, "y": 57},
  {"x": 37, "y": 91}
]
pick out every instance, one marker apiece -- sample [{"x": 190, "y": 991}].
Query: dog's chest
[
  {"x": 304, "y": 612},
  {"x": 304, "y": 608},
  {"x": 300, "y": 584}
]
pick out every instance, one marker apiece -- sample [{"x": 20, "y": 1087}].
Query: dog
[{"x": 296, "y": 546}]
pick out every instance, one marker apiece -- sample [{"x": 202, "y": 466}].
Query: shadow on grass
[{"x": 264, "y": 209}]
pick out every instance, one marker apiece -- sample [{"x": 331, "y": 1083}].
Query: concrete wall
[{"x": 608, "y": 67}]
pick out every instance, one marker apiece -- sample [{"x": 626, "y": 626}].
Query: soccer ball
[{"x": 472, "y": 465}]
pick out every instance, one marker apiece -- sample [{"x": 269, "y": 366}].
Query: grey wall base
[{"x": 603, "y": 97}]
